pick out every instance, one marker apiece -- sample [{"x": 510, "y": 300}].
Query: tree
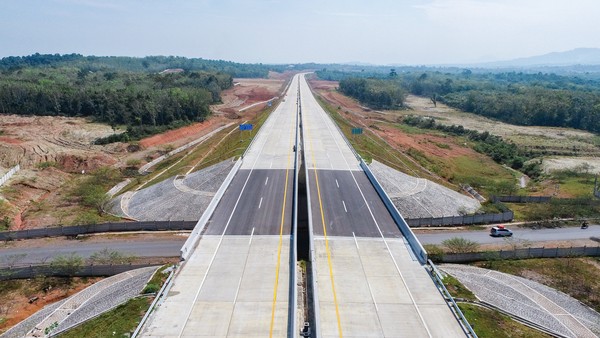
[
  {"x": 460, "y": 245},
  {"x": 67, "y": 265},
  {"x": 109, "y": 257},
  {"x": 393, "y": 73}
]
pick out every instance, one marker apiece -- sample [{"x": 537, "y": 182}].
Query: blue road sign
[
  {"x": 357, "y": 131},
  {"x": 246, "y": 126}
]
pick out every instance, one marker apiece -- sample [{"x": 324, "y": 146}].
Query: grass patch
[
  {"x": 483, "y": 174},
  {"x": 457, "y": 290},
  {"x": 118, "y": 322},
  {"x": 573, "y": 183},
  {"x": 489, "y": 323},
  {"x": 557, "y": 208},
  {"x": 575, "y": 276}
]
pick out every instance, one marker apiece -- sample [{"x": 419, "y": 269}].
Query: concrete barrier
[
  {"x": 190, "y": 243},
  {"x": 400, "y": 222},
  {"x": 9, "y": 174}
]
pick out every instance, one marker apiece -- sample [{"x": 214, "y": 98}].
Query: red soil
[{"x": 190, "y": 132}]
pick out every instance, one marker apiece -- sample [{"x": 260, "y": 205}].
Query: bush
[
  {"x": 151, "y": 288},
  {"x": 434, "y": 252},
  {"x": 460, "y": 245}
]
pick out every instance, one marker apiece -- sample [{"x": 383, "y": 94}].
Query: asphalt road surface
[
  {"x": 542, "y": 235},
  {"x": 259, "y": 208},
  {"x": 41, "y": 254},
  {"x": 345, "y": 211}
]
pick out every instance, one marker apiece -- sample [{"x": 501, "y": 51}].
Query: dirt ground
[
  {"x": 52, "y": 151},
  {"x": 15, "y": 305}
]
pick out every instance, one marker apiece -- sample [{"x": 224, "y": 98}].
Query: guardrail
[
  {"x": 292, "y": 309},
  {"x": 190, "y": 243},
  {"x": 9, "y": 174},
  {"x": 437, "y": 278},
  {"x": 158, "y": 297},
  {"x": 316, "y": 329},
  {"x": 400, "y": 222},
  {"x": 75, "y": 230}
]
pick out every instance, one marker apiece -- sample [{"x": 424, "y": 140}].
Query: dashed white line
[
  {"x": 267, "y": 180},
  {"x": 336, "y": 183},
  {"x": 260, "y": 203},
  {"x": 344, "y": 203}
]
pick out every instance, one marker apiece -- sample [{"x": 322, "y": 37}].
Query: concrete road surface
[
  {"x": 369, "y": 284},
  {"x": 236, "y": 283}
]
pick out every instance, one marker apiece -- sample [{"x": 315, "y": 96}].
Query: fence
[
  {"x": 9, "y": 174},
  {"x": 96, "y": 228},
  {"x": 32, "y": 271},
  {"x": 506, "y": 216},
  {"x": 521, "y": 199},
  {"x": 519, "y": 254}
]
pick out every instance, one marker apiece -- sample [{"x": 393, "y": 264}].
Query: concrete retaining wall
[
  {"x": 9, "y": 174},
  {"x": 460, "y": 220}
]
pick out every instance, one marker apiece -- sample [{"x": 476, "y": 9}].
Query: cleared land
[{"x": 53, "y": 151}]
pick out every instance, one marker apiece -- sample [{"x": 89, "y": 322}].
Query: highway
[
  {"x": 237, "y": 281},
  {"x": 369, "y": 284}
]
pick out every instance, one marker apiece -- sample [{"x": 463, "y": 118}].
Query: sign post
[{"x": 245, "y": 126}]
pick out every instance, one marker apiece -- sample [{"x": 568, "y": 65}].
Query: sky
[{"x": 402, "y": 32}]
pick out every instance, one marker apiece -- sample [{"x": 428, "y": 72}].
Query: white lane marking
[
  {"x": 267, "y": 180},
  {"x": 344, "y": 203},
  {"x": 325, "y": 118},
  {"x": 237, "y": 291},
  {"x": 367, "y": 278},
  {"x": 260, "y": 203},
  {"x": 189, "y": 313},
  {"x": 336, "y": 183}
]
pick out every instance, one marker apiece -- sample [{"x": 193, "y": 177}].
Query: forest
[
  {"x": 119, "y": 91},
  {"x": 518, "y": 98}
]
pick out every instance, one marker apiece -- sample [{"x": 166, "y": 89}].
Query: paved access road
[
  {"x": 368, "y": 282},
  {"x": 236, "y": 282},
  {"x": 542, "y": 235},
  {"x": 43, "y": 253}
]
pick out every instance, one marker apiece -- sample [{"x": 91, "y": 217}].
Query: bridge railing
[
  {"x": 437, "y": 278},
  {"x": 192, "y": 241},
  {"x": 400, "y": 222}
]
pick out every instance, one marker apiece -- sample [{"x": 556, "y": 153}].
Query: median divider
[
  {"x": 400, "y": 222},
  {"x": 192, "y": 241}
]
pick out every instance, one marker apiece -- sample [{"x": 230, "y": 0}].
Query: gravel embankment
[
  {"x": 21, "y": 329},
  {"x": 88, "y": 303},
  {"x": 530, "y": 300},
  {"x": 184, "y": 199},
  {"x": 417, "y": 197},
  {"x": 110, "y": 297}
]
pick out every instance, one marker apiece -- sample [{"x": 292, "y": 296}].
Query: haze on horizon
[{"x": 412, "y": 32}]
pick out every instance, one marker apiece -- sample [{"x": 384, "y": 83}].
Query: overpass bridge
[{"x": 363, "y": 277}]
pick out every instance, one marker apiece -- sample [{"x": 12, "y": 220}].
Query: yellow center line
[
  {"x": 337, "y": 310},
  {"x": 280, "y": 241}
]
